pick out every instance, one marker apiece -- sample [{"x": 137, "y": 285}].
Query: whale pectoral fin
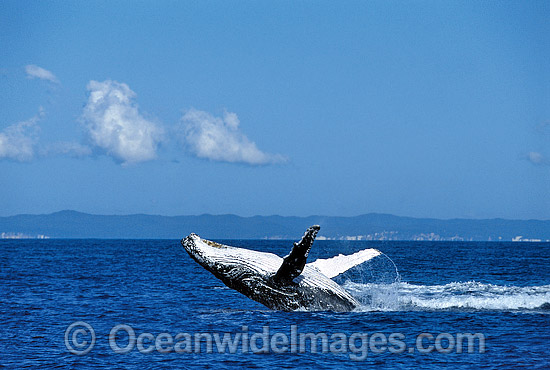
[
  {"x": 294, "y": 263},
  {"x": 334, "y": 266}
]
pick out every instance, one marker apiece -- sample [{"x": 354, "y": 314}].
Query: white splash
[{"x": 456, "y": 295}]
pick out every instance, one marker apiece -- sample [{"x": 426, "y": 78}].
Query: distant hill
[{"x": 373, "y": 226}]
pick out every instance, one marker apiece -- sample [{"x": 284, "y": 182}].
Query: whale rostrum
[{"x": 281, "y": 284}]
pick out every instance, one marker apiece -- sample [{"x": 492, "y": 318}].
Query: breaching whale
[{"x": 281, "y": 284}]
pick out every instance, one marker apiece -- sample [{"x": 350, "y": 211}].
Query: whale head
[{"x": 234, "y": 266}]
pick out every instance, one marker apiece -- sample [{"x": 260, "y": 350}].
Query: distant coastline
[{"x": 372, "y": 226}]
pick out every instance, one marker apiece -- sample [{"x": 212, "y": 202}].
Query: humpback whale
[{"x": 288, "y": 283}]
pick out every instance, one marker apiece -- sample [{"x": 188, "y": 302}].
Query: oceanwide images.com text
[{"x": 80, "y": 339}]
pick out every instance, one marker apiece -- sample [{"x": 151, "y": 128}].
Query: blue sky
[{"x": 423, "y": 109}]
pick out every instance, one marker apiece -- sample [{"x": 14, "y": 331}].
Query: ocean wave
[{"x": 456, "y": 295}]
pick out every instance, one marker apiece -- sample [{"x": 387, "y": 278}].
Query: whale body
[{"x": 287, "y": 283}]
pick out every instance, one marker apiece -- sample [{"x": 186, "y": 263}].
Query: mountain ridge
[{"x": 369, "y": 226}]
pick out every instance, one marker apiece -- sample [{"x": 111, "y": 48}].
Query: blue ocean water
[{"x": 498, "y": 290}]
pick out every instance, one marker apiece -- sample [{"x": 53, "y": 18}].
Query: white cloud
[
  {"x": 220, "y": 139},
  {"x": 70, "y": 148},
  {"x": 115, "y": 125},
  {"x": 17, "y": 141},
  {"x": 537, "y": 158},
  {"x": 34, "y": 71}
]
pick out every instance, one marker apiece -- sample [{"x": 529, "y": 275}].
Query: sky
[{"x": 414, "y": 108}]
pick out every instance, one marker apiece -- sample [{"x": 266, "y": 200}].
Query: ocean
[{"x": 145, "y": 303}]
